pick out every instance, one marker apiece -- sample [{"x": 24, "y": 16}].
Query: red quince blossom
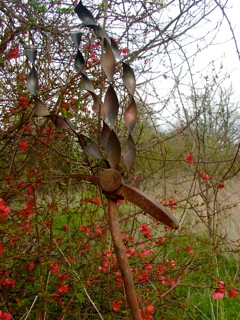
[
  {"x": 171, "y": 263},
  {"x": 144, "y": 252},
  {"x": 163, "y": 280},
  {"x": 161, "y": 269},
  {"x": 204, "y": 175},
  {"x": 189, "y": 158},
  {"x": 219, "y": 292},
  {"x": 28, "y": 227},
  {"x": 189, "y": 249},
  {"x": 119, "y": 202},
  {"x": 118, "y": 276},
  {"x": 62, "y": 277},
  {"x": 23, "y": 145},
  {"x": 8, "y": 282},
  {"x": 1, "y": 248},
  {"x": 8, "y": 177},
  {"x": 27, "y": 211},
  {"x": 13, "y": 53},
  {"x": 65, "y": 228},
  {"x": 145, "y": 230},
  {"x": 31, "y": 266},
  {"x": 160, "y": 240},
  {"x": 221, "y": 185},
  {"x": 62, "y": 288},
  {"x": 149, "y": 309},
  {"x": 23, "y": 102},
  {"x": 4, "y": 211},
  {"x": 232, "y": 293},
  {"x": 54, "y": 268},
  {"x": 95, "y": 201},
  {"x": 124, "y": 51},
  {"x": 143, "y": 277},
  {"x": 172, "y": 204},
  {"x": 85, "y": 229},
  {"x": 5, "y": 315},
  {"x": 116, "y": 305},
  {"x": 145, "y": 316}
]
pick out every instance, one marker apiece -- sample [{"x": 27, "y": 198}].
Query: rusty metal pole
[{"x": 123, "y": 260}]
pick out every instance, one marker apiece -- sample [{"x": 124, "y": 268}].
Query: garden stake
[
  {"x": 120, "y": 251},
  {"x": 110, "y": 179}
]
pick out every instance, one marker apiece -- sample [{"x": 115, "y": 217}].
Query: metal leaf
[
  {"x": 90, "y": 147},
  {"x": 130, "y": 115},
  {"x": 129, "y": 153},
  {"x": 31, "y": 53},
  {"x": 70, "y": 124},
  {"x": 108, "y": 61},
  {"x": 87, "y": 84},
  {"x": 113, "y": 150},
  {"x": 79, "y": 62},
  {"x": 111, "y": 105},
  {"x": 96, "y": 102},
  {"x": 115, "y": 49},
  {"x": 32, "y": 81},
  {"x": 105, "y": 135},
  {"x": 40, "y": 108},
  {"x": 76, "y": 37},
  {"x": 84, "y": 14},
  {"x": 129, "y": 79},
  {"x": 60, "y": 122},
  {"x": 101, "y": 33}
]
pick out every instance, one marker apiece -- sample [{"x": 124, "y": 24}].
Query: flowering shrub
[{"x": 57, "y": 257}]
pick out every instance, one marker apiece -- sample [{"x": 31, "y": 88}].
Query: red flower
[
  {"x": 22, "y": 145},
  {"x": 232, "y": 293},
  {"x": 145, "y": 316},
  {"x": 116, "y": 305},
  {"x": 4, "y": 210},
  {"x": 145, "y": 230},
  {"x": 54, "y": 268},
  {"x": 189, "y": 249},
  {"x": 23, "y": 102},
  {"x": 65, "y": 228},
  {"x": 124, "y": 51},
  {"x": 5, "y": 315},
  {"x": 13, "y": 53},
  {"x": 219, "y": 292},
  {"x": 62, "y": 288},
  {"x": 149, "y": 309},
  {"x": 119, "y": 202},
  {"x": 97, "y": 201},
  {"x": 1, "y": 248},
  {"x": 62, "y": 277},
  {"x": 85, "y": 229},
  {"x": 204, "y": 175},
  {"x": 221, "y": 185},
  {"x": 173, "y": 204},
  {"x": 30, "y": 266},
  {"x": 189, "y": 158}
]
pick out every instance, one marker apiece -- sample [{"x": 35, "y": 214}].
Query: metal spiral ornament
[
  {"x": 40, "y": 109},
  {"x": 110, "y": 106}
]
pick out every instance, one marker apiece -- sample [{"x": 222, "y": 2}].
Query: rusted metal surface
[
  {"x": 149, "y": 205},
  {"x": 110, "y": 180},
  {"x": 122, "y": 259},
  {"x": 86, "y": 177}
]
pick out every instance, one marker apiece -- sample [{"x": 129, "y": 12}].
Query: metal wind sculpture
[{"x": 110, "y": 180}]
